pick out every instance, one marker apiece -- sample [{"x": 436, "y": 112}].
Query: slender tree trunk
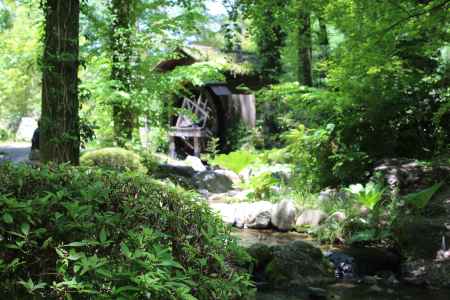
[
  {"x": 59, "y": 126},
  {"x": 324, "y": 48},
  {"x": 123, "y": 114},
  {"x": 323, "y": 39},
  {"x": 305, "y": 75}
]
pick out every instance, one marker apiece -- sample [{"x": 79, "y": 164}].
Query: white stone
[
  {"x": 311, "y": 217},
  {"x": 195, "y": 163},
  {"x": 243, "y": 214},
  {"x": 230, "y": 174},
  {"x": 283, "y": 215},
  {"x": 260, "y": 215},
  {"x": 226, "y": 211}
]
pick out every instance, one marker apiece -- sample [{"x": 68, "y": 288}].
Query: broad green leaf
[
  {"x": 25, "y": 228},
  {"x": 420, "y": 199},
  {"x": 7, "y": 218},
  {"x": 103, "y": 235}
]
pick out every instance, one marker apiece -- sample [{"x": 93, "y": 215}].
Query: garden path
[{"x": 14, "y": 151}]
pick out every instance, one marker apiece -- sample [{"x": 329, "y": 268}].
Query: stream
[{"x": 342, "y": 290}]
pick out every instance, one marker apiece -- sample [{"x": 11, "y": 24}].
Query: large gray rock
[
  {"x": 213, "y": 182},
  {"x": 283, "y": 215},
  {"x": 243, "y": 213},
  {"x": 260, "y": 215},
  {"x": 226, "y": 211},
  {"x": 311, "y": 217}
]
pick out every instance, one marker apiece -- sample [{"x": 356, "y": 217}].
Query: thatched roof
[{"x": 240, "y": 63}]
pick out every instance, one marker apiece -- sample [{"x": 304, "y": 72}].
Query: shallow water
[
  {"x": 339, "y": 291},
  {"x": 248, "y": 237},
  {"x": 342, "y": 291}
]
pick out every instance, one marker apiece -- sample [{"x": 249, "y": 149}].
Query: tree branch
[{"x": 415, "y": 15}]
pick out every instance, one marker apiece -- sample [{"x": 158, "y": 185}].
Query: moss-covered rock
[{"x": 296, "y": 264}]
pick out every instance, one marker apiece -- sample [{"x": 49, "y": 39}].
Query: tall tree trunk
[
  {"x": 123, "y": 114},
  {"x": 323, "y": 39},
  {"x": 324, "y": 47},
  {"x": 305, "y": 75},
  {"x": 59, "y": 126}
]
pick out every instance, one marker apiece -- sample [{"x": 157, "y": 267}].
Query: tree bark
[
  {"x": 59, "y": 126},
  {"x": 323, "y": 39},
  {"x": 324, "y": 44},
  {"x": 123, "y": 114},
  {"x": 305, "y": 74}
]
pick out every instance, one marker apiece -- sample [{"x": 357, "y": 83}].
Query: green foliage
[
  {"x": 262, "y": 186},
  {"x": 19, "y": 55},
  {"x": 149, "y": 161},
  {"x": 80, "y": 233},
  {"x": 212, "y": 149},
  {"x": 235, "y": 161},
  {"x": 419, "y": 200},
  {"x": 309, "y": 150},
  {"x": 238, "y": 135},
  {"x": 369, "y": 195},
  {"x": 113, "y": 159},
  {"x": 4, "y": 135}
]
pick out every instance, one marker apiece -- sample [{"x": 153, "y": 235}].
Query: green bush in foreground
[
  {"x": 113, "y": 159},
  {"x": 79, "y": 233}
]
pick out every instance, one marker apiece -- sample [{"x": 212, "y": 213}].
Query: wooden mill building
[{"x": 211, "y": 110}]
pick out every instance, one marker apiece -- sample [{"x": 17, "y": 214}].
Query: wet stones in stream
[
  {"x": 359, "y": 262},
  {"x": 301, "y": 266},
  {"x": 296, "y": 264}
]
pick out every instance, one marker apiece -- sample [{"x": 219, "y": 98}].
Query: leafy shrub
[
  {"x": 149, "y": 161},
  {"x": 4, "y": 135},
  {"x": 262, "y": 186},
  {"x": 309, "y": 150},
  {"x": 235, "y": 161},
  {"x": 285, "y": 106},
  {"x": 113, "y": 159},
  {"x": 239, "y": 135},
  {"x": 80, "y": 233},
  {"x": 318, "y": 129},
  {"x": 369, "y": 195}
]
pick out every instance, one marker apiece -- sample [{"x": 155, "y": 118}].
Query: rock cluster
[{"x": 258, "y": 215}]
